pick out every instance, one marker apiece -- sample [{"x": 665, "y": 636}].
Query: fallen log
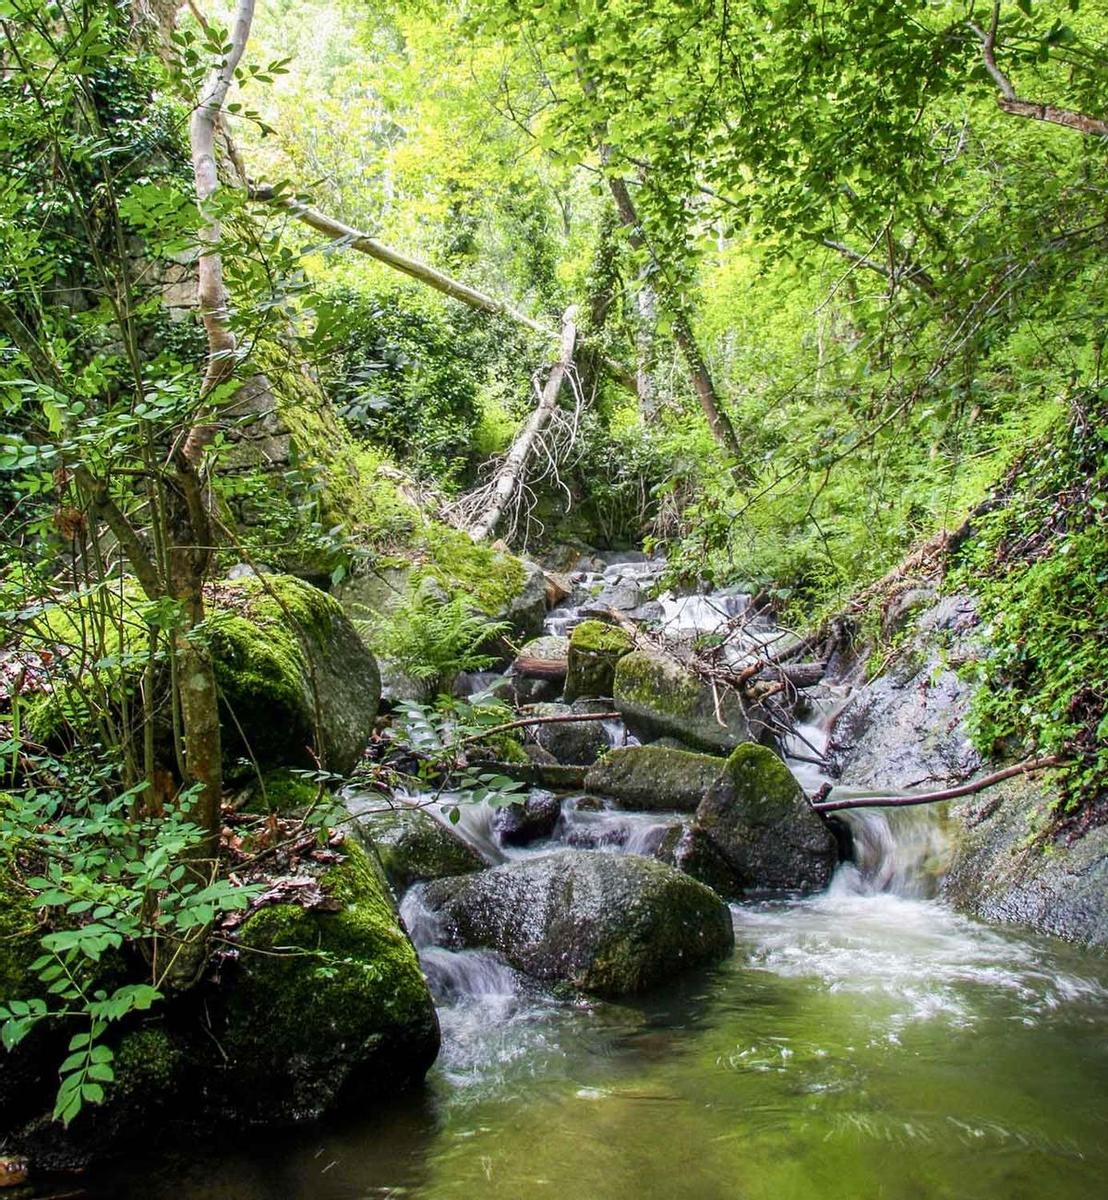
[
  {"x": 512, "y": 470},
  {"x": 540, "y": 668},
  {"x": 963, "y": 789},
  {"x": 421, "y": 271}
]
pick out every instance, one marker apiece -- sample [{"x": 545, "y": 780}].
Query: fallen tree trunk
[
  {"x": 424, "y": 273},
  {"x": 540, "y": 668},
  {"x": 512, "y": 470},
  {"x": 963, "y": 789}
]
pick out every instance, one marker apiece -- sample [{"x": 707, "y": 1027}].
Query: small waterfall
[{"x": 612, "y": 830}]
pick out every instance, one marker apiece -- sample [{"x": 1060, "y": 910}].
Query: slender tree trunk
[{"x": 718, "y": 421}]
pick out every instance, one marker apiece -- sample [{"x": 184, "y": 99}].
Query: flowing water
[{"x": 865, "y": 1043}]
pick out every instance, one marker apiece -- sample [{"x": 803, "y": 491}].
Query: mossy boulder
[
  {"x": 658, "y": 697},
  {"x": 326, "y": 1005},
  {"x": 654, "y": 778},
  {"x": 756, "y": 832},
  {"x": 574, "y": 743},
  {"x": 410, "y": 843},
  {"x": 279, "y": 644},
  {"x": 603, "y": 923},
  {"x": 594, "y": 651}
]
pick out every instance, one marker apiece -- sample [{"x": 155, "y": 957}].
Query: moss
[
  {"x": 490, "y": 578},
  {"x": 764, "y": 787},
  {"x": 147, "y": 1061},
  {"x": 321, "y": 979},
  {"x": 412, "y": 846},
  {"x": 594, "y": 651},
  {"x": 505, "y": 748},
  {"x": 281, "y": 792},
  {"x": 654, "y": 778},
  {"x": 19, "y": 945},
  {"x": 598, "y": 638},
  {"x": 261, "y": 664}
]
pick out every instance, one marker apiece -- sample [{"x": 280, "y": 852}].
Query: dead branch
[
  {"x": 524, "y": 722},
  {"x": 212, "y": 295},
  {"x": 540, "y": 668},
  {"x": 422, "y": 272},
  {"x": 964, "y": 789},
  {"x": 1034, "y": 110}
]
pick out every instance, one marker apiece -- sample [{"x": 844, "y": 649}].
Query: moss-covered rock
[
  {"x": 410, "y": 843},
  {"x": 756, "y": 832},
  {"x": 18, "y": 937},
  {"x": 594, "y": 651},
  {"x": 658, "y": 697},
  {"x": 279, "y": 644},
  {"x": 603, "y": 923},
  {"x": 326, "y": 1003},
  {"x": 279, "y": 791},
  {"x": 654, "y": 778}
]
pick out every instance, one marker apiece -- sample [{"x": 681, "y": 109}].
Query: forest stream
[{"x": 864, "y": 1042}]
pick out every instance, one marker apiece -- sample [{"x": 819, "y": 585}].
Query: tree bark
[
  {"x": 1009, "y": 102},
  {"x": 511, "y": 471},
  {"x": 718, "y": 421}
]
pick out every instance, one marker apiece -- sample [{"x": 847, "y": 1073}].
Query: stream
[{"x": 866, "y": 1042}]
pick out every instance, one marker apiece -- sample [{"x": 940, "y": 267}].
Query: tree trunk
[
  {"x": 511, "y": 471},
  {"x": 718, "y": 421}
]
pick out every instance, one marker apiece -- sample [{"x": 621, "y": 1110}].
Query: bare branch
[{"x": 1034, "y": 110}]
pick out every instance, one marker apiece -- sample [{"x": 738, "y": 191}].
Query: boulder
[
  {"x": 277, "y": 642},
  {"x": 654, "y": 778},
  {"x": 1057, "y": 885},
  {"x": 278, "y": 645},
  {"x": 575, "y": 743},
  {"x": 411, "y": 844},
  {"x": 756, "y": 832},
  {"x": 348, "y": 1017},
  {"x": 594, "y": 650},
  {"x": 525, "y": 611},
  {"x": 536, "y": 688},
  {"x": 658, "y": 697},
  {"x": 604, "y": 923},
  {"x": 527, "y": 821}
]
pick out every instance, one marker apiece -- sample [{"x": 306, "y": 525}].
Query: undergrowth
[{"x": 1039, "y": 565}]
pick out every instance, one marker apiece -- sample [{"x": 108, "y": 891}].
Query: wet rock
[
  {"x": 756, "y": 832},
  {"x": 654, "y": 778},
  {"x": 604, "y": 923},
  {"x": 658, "y": 697},
  {"x": 573, "y": 743},
  {"x": 999, "y": 874},
  {"x": 522, "y": 823},
  {"x": 410, "y": 843},
  {"x": 594, "y": 649},
  {"x": 526, "y": 611},
  {"x": 899, "y": 610},
  {"x": 906, "y": 728},
  {"x": 558, "y": 587},
  {"x": 623, "y": 594}
]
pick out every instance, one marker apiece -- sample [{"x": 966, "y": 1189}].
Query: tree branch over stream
[{"x": 964, "y": 789}]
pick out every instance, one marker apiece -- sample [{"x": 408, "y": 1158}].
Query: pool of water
[{"x": 856, "y": 1045}]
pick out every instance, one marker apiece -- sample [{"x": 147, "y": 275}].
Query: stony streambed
[{"x": 866, "y": 1041}]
